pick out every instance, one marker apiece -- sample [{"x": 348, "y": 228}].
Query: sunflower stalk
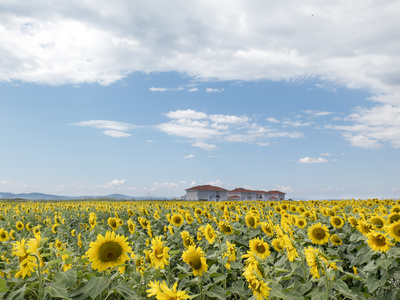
[{"x": 40, "y": 276}]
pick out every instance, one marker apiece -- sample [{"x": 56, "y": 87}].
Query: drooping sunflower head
[
  {"x": 278, "y": 244},
  {"x": 337, "y": 222},
  {"x": 353, "y": 222},
  {"x": 318, "y": 234},
  {"x": 186, "y": 239},
  {"x": 195, "y": 258},
  {"x": 113, "y": 223},
  {"x": 378, "y": 241},
  {"x": 259, "y": 247},
  {"x": 394, "y": 231},
  {"x": 108, "y": 251},
  {"x": 364, "y": 227},
  {"x": 252, "y": 220},
  {"x": 177, "y": 220},
  {"x": 131, "y": 226},
  {"x": 335, "y": 240},
  {"x": 209, "y": 233},
  {"x": 3, "y": 235},
  {"x": 225, "y": 227}
]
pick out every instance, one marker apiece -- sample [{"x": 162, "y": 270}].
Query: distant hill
[{"x": 41, "y": 196}]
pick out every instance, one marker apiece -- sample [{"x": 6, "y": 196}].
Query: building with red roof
[{"x": 206, "y": 193}]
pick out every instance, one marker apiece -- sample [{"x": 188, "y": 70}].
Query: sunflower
[
  {"x": 159, "y": 256},
  {"x": 20, "y": 225},
  {"x": 267, "y": 228},
  {"x": 252, "y": 220},
  {"x": 113, "y": 223},
  {"x": 230, "y": 253},
  {"x": 394, "y": 230},
  {"x": 163, "y": 292},
  {"x": 143, "y": 222},
  {"x": 3, "y": 235},
  {"x": 291, "y": 250},
  {"x": 131, "y": 226},
  {"x": 108, "y": 251},
  {"x": 54, "y": 229},
  {"x": 337, "y": 222},
  {"x": 364, "y": 227},
  {"x": 335, "y": 240},
  {"x": 12, "y": 234},
  {"x": 377, "y": 222},
  {"x": 177, "y": 220},
  {"x": 378, "y": 241},
  {"x": 186, "y": 239},
  {"x": 394, "y": 217},
  {"x": 195, "y": 258},
  {"x": 19, "y": 249},
  {"x": 209, "y": 233},
  {"x": 301, "y": 223},
  {"x": 278, "y": 244},
  {"x": 259, "y": 287},
  {"x": 259, "y": 247},
  {"x": 27, "y": 266},
  {"x": 353, "y": 222},
  {"x": 198, "y": 211},
  {"x": 318, "y": 234},
  {"x": 225, "y": 227},
  {"x": 73, "y": 232}
]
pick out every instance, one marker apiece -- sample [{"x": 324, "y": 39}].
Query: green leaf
[
  {"x": 66, "y": 252},
  {"x": 217, "y": 292},
  {"x": 304, "y": 288},
  {"x": 276, "y": 290},
  {"x": 370, "y": 267},
  {"x": 18, "y": 294},
  {"x": 373, "y": 283},
  {"x": 3, "y": 285},
  {"x": 219, "y": 278},
  {"x": 343, "y": 289},
  {"x": 237, "y": 287},
  {"x": 97, "y": 285},
  {"x": 57, "y": 290},
  {"x": 53, "y": 262},
  {"x": 126, "y": 291},
  {"x": 67, "y": 278},
  {"x": 213, "y": 269}
]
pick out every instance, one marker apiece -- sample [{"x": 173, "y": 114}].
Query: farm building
[
  {"x": 206, "y": 192},
  {"x": 215, "y": 193}
]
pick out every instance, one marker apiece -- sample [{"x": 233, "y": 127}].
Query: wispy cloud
[
  {"x": 214, "y": 90},
  {"x": 311, "y": 160},
  {"x": 163, "y": 89},
  {"x": 205, "y": 130},
  {"x": 114, "y": 128},
  {"x": 189, "y": 156}
]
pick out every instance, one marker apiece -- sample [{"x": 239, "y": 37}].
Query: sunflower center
[
  {"x": 113, "y": 223},
  {"x": 319, "y": 233},
  {"x": 251, "y": 221},
  {"x": 3, "y": 235},
  {"x": 195, "y": 261},
  {"x": 396, "y": 230},
  {"x": 110, "y": 251},
  {"x": 337, "y": 222},
  {"x": 260, "y": 248},
  {"x": 159, "y": 252},
  {"x": 380, "y": 241}
]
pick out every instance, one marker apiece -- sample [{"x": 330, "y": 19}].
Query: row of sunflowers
[{"x": 166, "y": 250}]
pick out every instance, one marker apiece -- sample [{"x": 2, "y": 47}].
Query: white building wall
[{"x": 191, "y": 196}]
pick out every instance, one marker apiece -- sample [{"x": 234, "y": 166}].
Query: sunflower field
[{"x": 167, "y": 250}]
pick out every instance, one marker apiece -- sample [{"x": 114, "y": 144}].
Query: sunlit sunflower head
[
  {"x": 395, "y": 209},
  {"x": 186, "y": 239},
  {"x": 337, "y": 222},
  {"x": 353, "y": 222},
  {"x": 209, "y": 233},
  {"x": 12, "y": 234},
  {"x": 20, "y": 225},
  {"x": 198, "y": 211},
  {"x": 163, "y": 292},
  {"x": 394, "y": 230},
  {"x": 189, "y": 219},
  {"x": 159, "y": 256},
  {"x": 259, "y": 287},
  {"x": 252, "y": 220},
  {"x": 73, "y": 232},
  {"x": 267, "y": 228},
  {"x": 301, "y": 223},
  {"x": 108, "y": 251},
  {"x": 113, "y": 223},
  {"x": 4, "y": 235},
  {"x": 318, "y": 234},
  {"x": 143, "y": 222},
  {"x": 394, "y": 217},
  {"x": 378, "y": 241},
  {"x": 335, "y": 240},
  {"x": 131, "y": 226},
  {"x": 54, "y": 229},
  {"x": 19, "y": 249},
  {"x": 278, "y": 244},
  {"x": 377, "y": 222},
  {"x": 225, "y": 227},
  {"x": 177, "y": 220},
  {"x": 195, "y": 258},
  {"x": 259, "y": 248},
  {"x": 364, "y": 227},
  {"x": 28, "y": 226}
]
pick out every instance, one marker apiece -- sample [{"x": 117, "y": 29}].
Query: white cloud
[
  {"x": 272, "y": 120},
  {"x": 216, "y": 182},
  {"x": 285, "y": 189},
  {"x": 193, "y": 90},
  {"x": 204, "y": 131},
  {"x": 318, "y": 113},
  {"x": 296, "y": 123},
  {"x": 189, "y": 156},
  {"x": 115, "y": 129},
  {"x": 372, "y": 127},
  {"x": 311, "y": 160},
  {"x": 211, "y": 90},
  {"x": 116, "y": 134},
  {"x": 155, "y": 89},
  {"x": 150, "y": 141}
]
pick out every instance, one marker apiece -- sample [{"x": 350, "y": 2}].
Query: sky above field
[{"x": 149, "y": 98}]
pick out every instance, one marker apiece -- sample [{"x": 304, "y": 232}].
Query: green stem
[{"x": 40, "y": 277}]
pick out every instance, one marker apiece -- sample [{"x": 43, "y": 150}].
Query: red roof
[
  {"x": 234, "y": 197},
  {"x": 241, "y": 190},
  {"x": 206, "y": 187},
  {"x": 275, "y": 191}
]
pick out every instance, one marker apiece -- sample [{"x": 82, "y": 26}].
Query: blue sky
[{"x": 148, "y": 100}]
